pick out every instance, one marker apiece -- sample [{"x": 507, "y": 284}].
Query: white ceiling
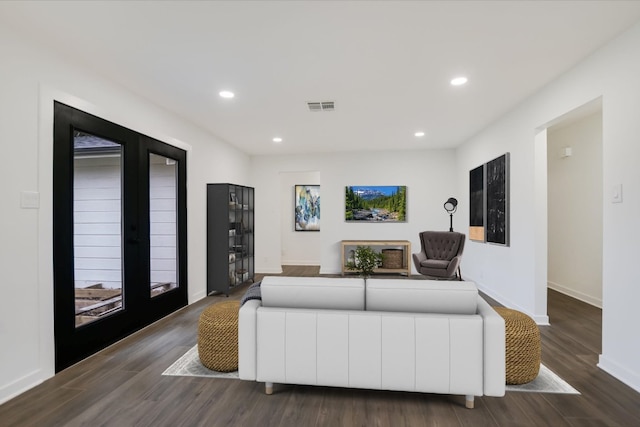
[{"x": 387, "y": 65}]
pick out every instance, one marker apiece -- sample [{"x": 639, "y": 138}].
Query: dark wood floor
[{"x": 123, "y": 386}]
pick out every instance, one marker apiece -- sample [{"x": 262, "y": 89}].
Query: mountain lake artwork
[{"x": 386, "y": 203}]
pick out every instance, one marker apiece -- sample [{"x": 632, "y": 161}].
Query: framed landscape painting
[
  {"x": 387, "y": 203},
  {"x": 307, "y": 208}
]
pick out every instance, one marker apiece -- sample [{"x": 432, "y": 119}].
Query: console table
[{"x": 405, "y": 245}]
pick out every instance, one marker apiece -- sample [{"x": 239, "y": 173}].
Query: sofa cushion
[
  {"x": 435, "y": 263},
  {"x": 313, "y": 292},
  {"x": 421, "y": 296}
]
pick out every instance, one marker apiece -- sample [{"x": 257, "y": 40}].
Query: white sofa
[{"x": 392, "y": 334}]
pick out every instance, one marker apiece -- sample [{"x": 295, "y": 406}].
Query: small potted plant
[{"x": 366, "y": 260}]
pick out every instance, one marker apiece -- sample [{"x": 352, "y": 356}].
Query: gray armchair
[{"x": 440, "y": 255}]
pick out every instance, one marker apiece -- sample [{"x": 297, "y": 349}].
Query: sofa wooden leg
[
  {"x": 469, "y": 401},
  {"x": 268, "y": 388}
]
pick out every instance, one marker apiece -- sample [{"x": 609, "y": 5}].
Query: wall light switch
[
  {"x": 616, "y": 194},
  {"x": 29, "y": 199}
]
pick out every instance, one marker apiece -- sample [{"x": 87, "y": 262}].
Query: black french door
[{"x": 119, "y": 232}]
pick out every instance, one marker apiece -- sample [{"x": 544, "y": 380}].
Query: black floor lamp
[{"x": 451, "y": 205}]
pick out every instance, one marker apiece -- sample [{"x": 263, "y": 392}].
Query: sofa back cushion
[
  {"x": 313, "y": 292},
  {"x": 421, "y": 296}
]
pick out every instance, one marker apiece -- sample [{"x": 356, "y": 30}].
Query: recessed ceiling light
[
  {"x": 226, "y": 94},
  {"x": 277, "y": 139},
  {"x": 419, "y": 134},
  {"x": 459, "y": 81}
]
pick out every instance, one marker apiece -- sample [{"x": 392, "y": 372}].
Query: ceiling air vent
[{"x": 321, "y": 106}]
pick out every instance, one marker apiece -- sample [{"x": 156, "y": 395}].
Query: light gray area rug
[
  {"x": 189, "y": 366},
  {"x": 546, "y": 382}
]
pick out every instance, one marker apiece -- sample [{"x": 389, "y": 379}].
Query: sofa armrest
[
  {"x": 247, "y": 339},
  {"x": 453, "y": 265},
  {"x": 418, "y": 258},
  {"x": 494, "y": 350}
]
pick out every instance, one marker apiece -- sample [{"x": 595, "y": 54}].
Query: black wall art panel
[
  {"x": 476, "y": 204},
  {"x": 497, "y": 185},
  {"x": 489, "y": 202}
]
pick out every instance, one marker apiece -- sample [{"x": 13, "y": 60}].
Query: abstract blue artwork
[{"x": 307, "y": 208}]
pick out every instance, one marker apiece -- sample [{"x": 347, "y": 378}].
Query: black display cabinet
[{"x": 230, "y": 238}]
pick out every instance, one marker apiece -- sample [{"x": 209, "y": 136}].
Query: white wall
[
  {"x": 428, "y": 174},
  {"x": 575, "y": 209},
  {"x": 31, "y": 78},
  {"x": 298, "y": 247},
  {"x": 517, "y": 275}
]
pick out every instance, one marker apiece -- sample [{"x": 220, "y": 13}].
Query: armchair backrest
[{"x": 442, "y": 245}]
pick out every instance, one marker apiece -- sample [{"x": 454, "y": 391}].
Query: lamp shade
[{"x": 450, "y": 205}]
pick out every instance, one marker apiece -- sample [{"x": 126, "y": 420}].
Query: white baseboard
[
  {"x": 21, "y": 385},
  {"x": 325, "y": 271},
  {"x": 619, "y": 372},
  {"x": 300, "y": 262},
  {"x": 597, "y": 302},
  {"x": 540, "y": 319},
  {"x": 197, "y": 296},
  {"x": 270, "y": 271}
]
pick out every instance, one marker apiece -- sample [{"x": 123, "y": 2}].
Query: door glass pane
[
  {"x": 97, "y": 227},
  {"x": 163, "y": 223}
]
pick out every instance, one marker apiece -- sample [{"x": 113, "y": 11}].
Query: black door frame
[{"x": 72, "y": 343}]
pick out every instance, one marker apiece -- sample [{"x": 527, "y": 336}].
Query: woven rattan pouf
[
  {"x": 218, "y": 336},
  {"x": 523, "y": 346}
]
